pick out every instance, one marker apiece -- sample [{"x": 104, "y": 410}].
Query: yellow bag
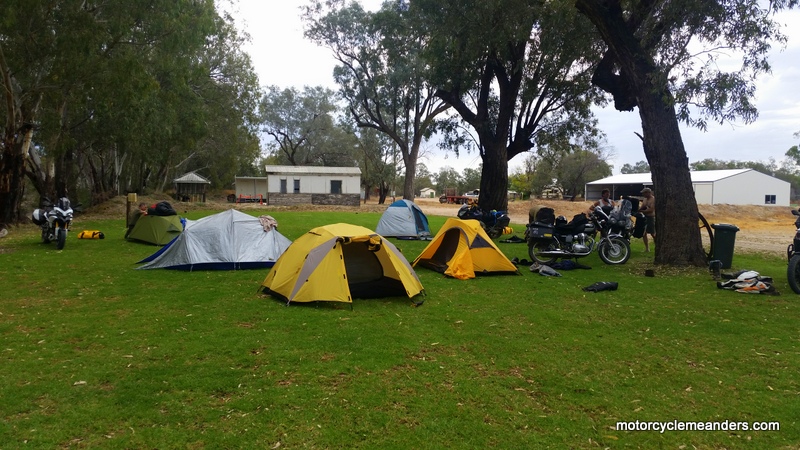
[{"x": 91, "y": 234}]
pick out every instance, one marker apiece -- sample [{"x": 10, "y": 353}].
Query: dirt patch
[{"x": 764, "y": 229}]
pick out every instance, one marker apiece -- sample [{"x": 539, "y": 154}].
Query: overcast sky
[{"x": 282, "y": 57}]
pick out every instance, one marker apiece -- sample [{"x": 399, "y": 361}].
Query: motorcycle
[
  {"x": 493, "y": 222},
  {"x": 575, "y": 239},
  {"x": 54, "y": 221},
  {"x": 793, "y": 253}
]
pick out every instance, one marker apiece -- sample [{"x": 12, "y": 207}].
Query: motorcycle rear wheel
[
  {"x": 45, "y": 235},
  {"x": 793, "y": 273},
  {"x": 614, "y": 250},
  {"x": 535, "y": 250},
  {"x": 61, "y": 238},
  {"x": 493, "y": 232}
]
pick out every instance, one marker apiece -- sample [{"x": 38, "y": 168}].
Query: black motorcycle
[
  {"x": 493, "y": 222},
  {"x": 793, "y": 253},
  {"x": 548, "y": 242}
]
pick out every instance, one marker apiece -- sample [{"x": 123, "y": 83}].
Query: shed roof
[
  {"x": 312, "y": 170},
  {"x": 698, "y": 176},
  {"x": 191, "y": 178}
]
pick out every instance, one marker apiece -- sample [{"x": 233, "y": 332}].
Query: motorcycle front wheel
[
  {"x": 793, "y": 273},
  {"x": 614, "y": 250},
  {"x": 535, "y": 252},
  {"x": 61, "y": 238}
]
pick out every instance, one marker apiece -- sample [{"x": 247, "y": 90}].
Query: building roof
[
  {"x": 698, "y": 176},
  {"x": 312, "y": 170},
  {"x": 191, "y": 177}
]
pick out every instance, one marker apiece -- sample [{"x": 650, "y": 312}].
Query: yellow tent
[
  {"x": 340, "y": 262},
  {"x": 461, "y": 249}
]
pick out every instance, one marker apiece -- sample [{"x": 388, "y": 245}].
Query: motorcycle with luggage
[
  {"x": 493, "y": 222},
  {"x": 54, "y": 220},
  {"x": 550, "y": 240}
]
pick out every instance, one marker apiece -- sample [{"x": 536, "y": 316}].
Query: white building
[
  {"x": 427, "y": 193},
  {"x": 250, "y": 189},
  {"x": 288, "y": 185},
  {"x": 711, "y": 187}
]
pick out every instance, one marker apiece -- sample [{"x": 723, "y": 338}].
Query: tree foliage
[
  {"x": 303, "y": 127},
  {"x": 664, "y": 58},
  {"x": 515, "y": 71},
  {"x": 102, "y": 97},
  {"x": 380, "y": 75},
  {"x": 639, "y": 167}
]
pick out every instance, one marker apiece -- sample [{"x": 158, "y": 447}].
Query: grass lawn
[{"x": 97, "y": 354}]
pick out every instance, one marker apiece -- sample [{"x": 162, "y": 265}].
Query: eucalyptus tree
[
  {"x": 381, "y": 75},
  {"x": 515, "y": 71},
  {"x": 229, "y": 90},
  {"x": 299, "y": 124},
  {"x": 670, "y": 60},
  {"x": 90, "y": 88},
  {"x": 377, "y": 161},
  {"x": 639, "y": 167},
  {"x": 448, "y": 179},
  {"x": 579, "y": 167}
]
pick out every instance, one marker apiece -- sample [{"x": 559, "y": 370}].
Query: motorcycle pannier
[
  {"x": 540, "y": 231},
  {"x": 38, "y": 217}
]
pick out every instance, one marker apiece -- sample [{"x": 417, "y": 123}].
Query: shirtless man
[{"x": 648, "y": 208}]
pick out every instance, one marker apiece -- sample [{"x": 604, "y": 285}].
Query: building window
[
  {"x": 769, "y": 199},
  {"x": 297, "y": 186},
  {"x": 336, "y": 186},
  {"x": 283, "y": 186}
]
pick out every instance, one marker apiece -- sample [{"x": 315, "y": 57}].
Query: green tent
[{"x": 158, "y": 230}]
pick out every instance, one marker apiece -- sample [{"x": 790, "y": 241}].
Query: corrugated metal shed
[{"x": 730, "y": 186}]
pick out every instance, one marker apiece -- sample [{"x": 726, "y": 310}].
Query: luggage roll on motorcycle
[
  {"x": 54, "y": 221},
  {"x": 550, "y": 239}
]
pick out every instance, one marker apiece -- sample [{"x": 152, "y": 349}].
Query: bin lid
[{"x": 724, "y": 227}]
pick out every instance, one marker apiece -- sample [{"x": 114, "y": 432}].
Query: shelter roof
[
  {"x": 312, "y": 170},
  {"x": 191, "y": 177}
]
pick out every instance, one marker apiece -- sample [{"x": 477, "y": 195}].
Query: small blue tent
[{"x": 404, "y": 219}]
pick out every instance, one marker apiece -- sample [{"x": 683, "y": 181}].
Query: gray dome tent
[
  {"x": 404, "y": 219},
  {"x": 228, "y": 240}
]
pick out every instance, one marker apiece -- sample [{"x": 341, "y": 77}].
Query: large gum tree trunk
[
  {"x": 678, "y": 238},
  {"x": 12, "y": 173},
  {"x": 494, "y": 179}
]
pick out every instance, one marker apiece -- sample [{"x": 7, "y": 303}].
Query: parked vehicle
[
  {"x": 473, "y": 194},
  {"x": 559, "y": 239},
  {"x": 54, "y": 221},
  {"x": 793, "y": 253},
  {"x": 493, "y": 222}
]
